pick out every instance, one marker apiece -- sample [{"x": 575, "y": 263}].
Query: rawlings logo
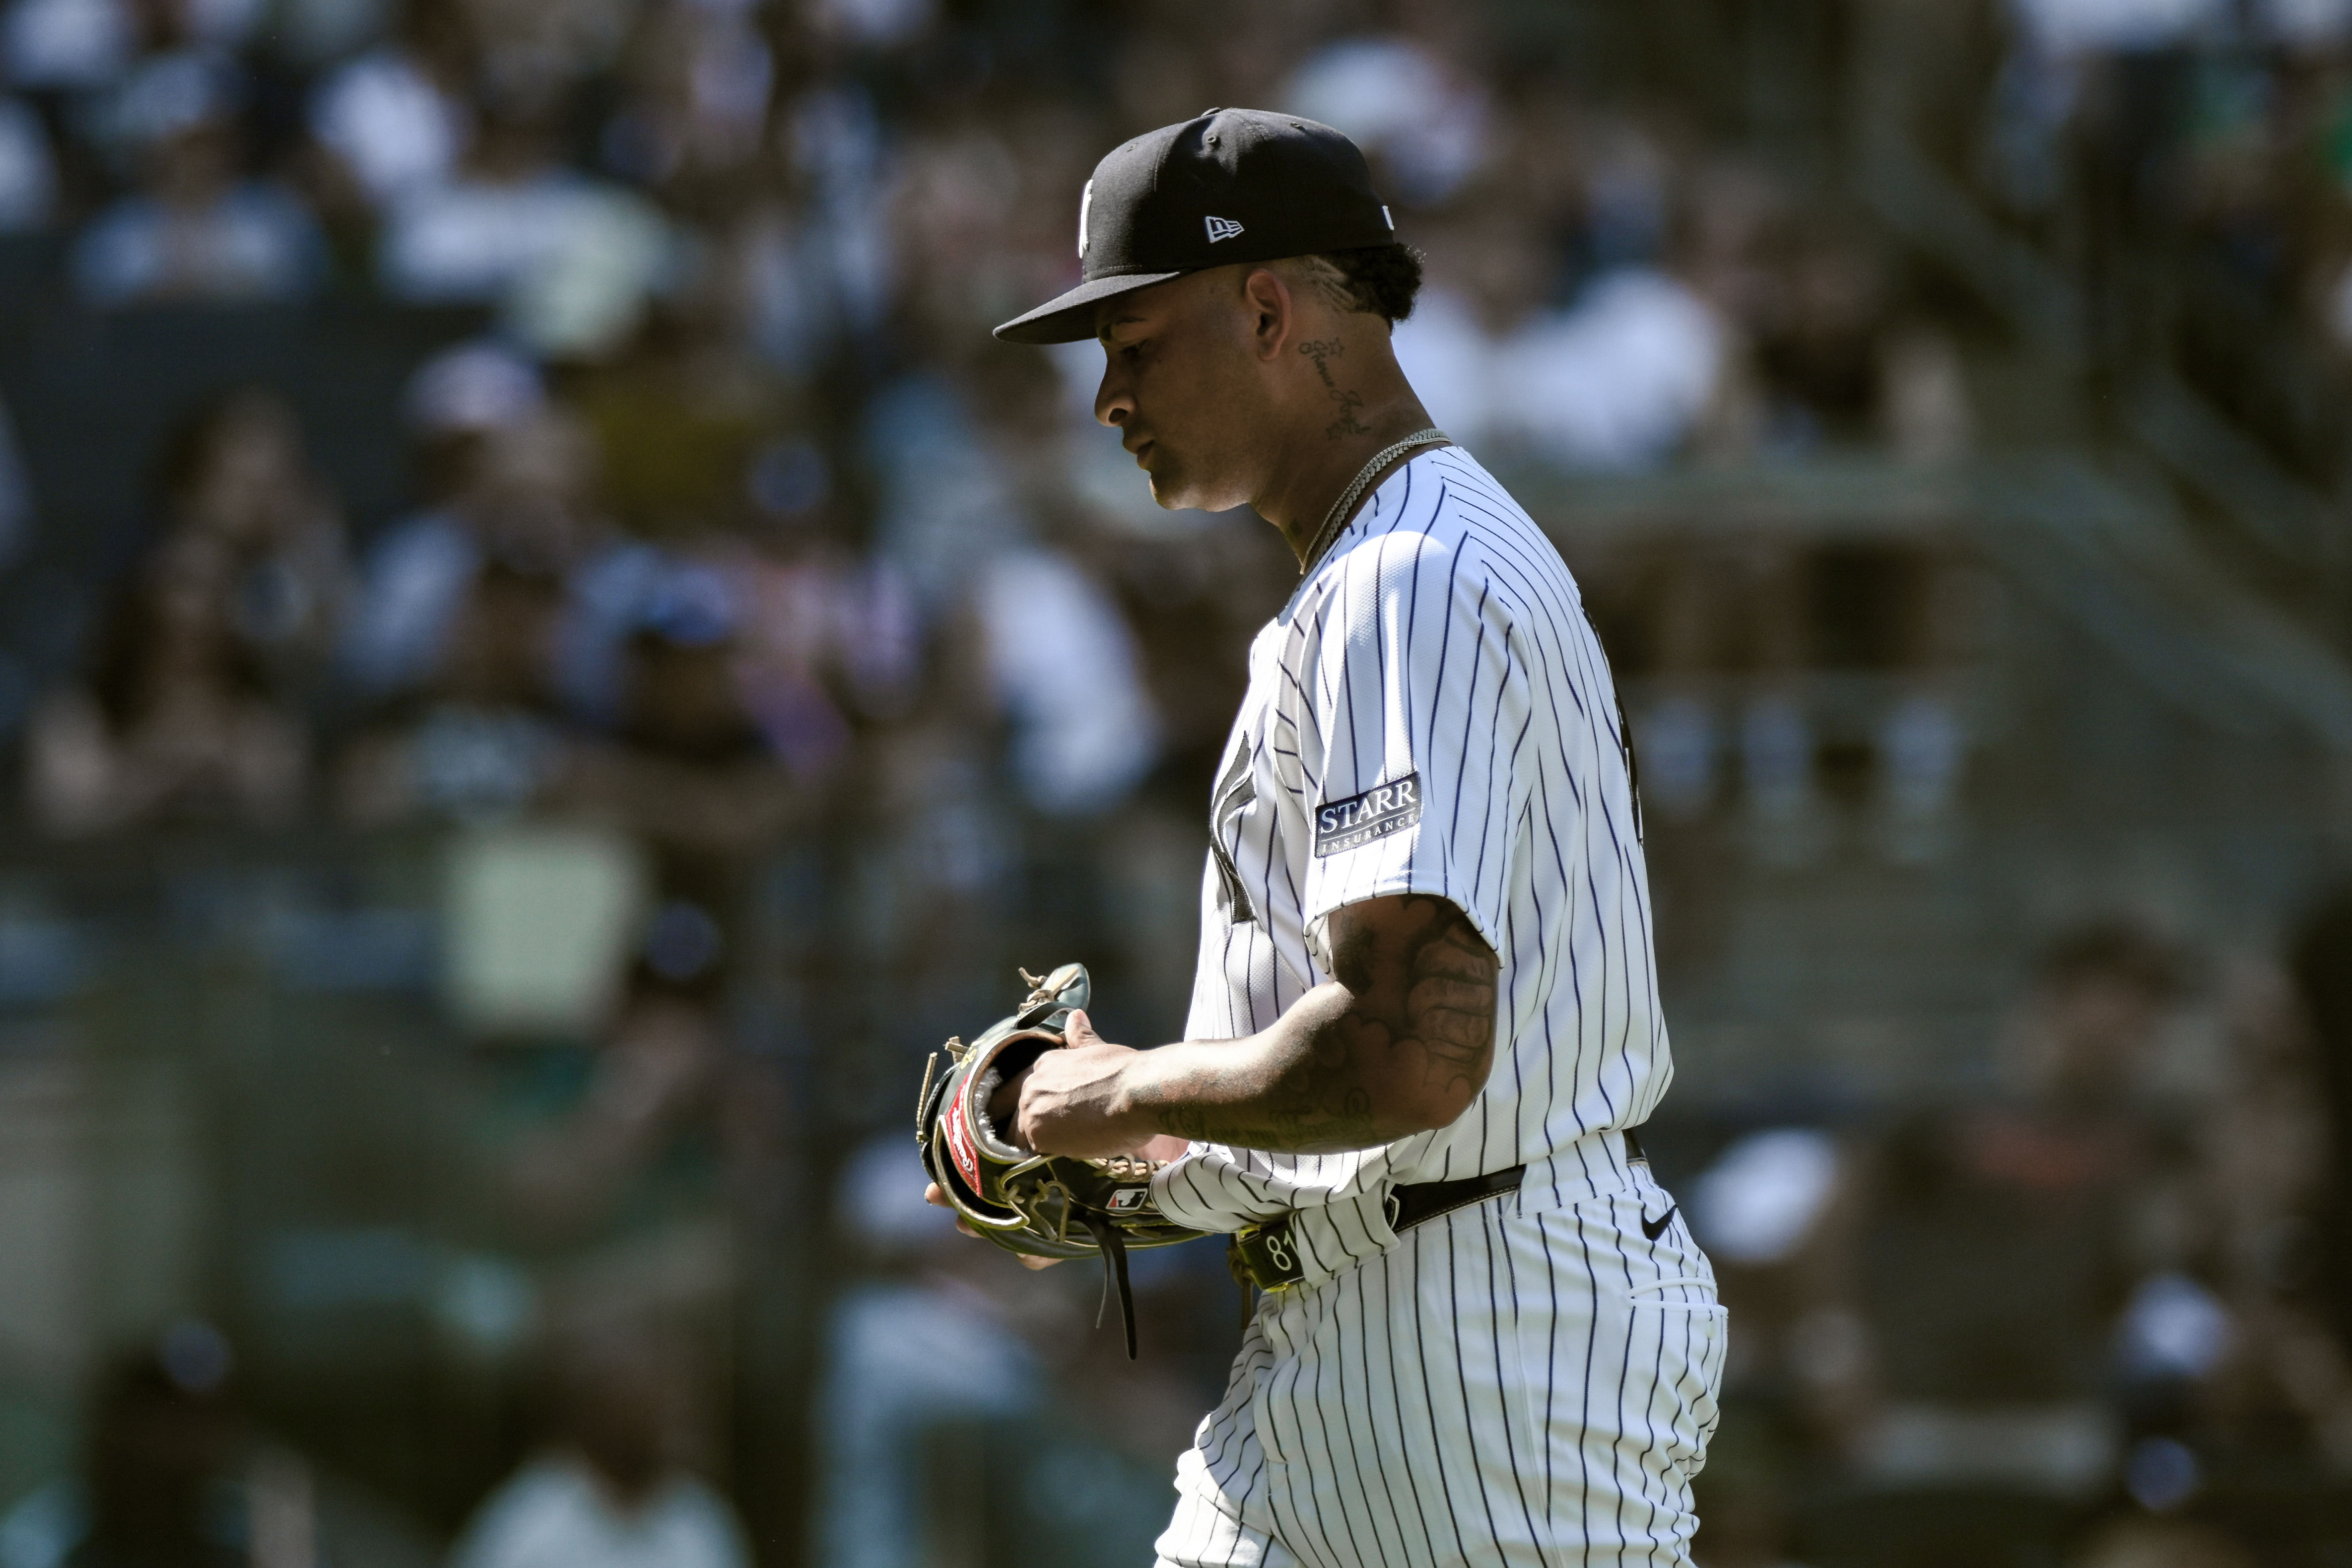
[
  {"x": 959, "y": 1149},
  {"x": 1130, "y": 1200}
]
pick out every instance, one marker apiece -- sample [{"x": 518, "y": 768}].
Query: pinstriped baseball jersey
[
  {"x": 1526, "y": 1380},
  {"x": 1430, "y": 713}
]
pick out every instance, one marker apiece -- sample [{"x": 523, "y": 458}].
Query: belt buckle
[{"x": 1265, "y": 1255}]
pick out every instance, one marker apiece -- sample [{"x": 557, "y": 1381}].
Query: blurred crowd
[
  {"x": 735, "y": 545},
  {"x": 2205, "y": 137},
  {"x": 2114, "y": 1272}
]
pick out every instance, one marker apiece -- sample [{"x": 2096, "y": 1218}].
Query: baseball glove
[{"x": 1047, "y": 1206}]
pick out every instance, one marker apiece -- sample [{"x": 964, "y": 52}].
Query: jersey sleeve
[{"x": 1406, "y": 707}]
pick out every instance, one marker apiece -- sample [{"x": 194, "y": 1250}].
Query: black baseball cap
[{"x": 1227, "y": 186}]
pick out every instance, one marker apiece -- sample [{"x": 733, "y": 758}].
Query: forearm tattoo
[{"x": 1413, "y": 1036}]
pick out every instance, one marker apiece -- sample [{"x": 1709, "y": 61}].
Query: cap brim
[{"x": 1070, "y": 318}]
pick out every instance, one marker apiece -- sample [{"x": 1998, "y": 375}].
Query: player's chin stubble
[
  {"x": 1178, "y": 484},
  {"x": 1166, "y": 477}
]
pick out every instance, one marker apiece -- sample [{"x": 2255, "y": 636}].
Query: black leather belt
[
  {"x": 1262, "y": 1254},
  {"x": 1417, "y": 1201}
]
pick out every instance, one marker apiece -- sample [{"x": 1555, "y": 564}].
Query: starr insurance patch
[{"x": 1358, "y": 820}]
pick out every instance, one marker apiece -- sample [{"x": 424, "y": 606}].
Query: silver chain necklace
[{"x": 1348, "y": 497}]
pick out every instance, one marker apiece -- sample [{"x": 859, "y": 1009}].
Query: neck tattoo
[
  {"x": 1355, "y": 491},
  {"x": 1323, "y": 351}
]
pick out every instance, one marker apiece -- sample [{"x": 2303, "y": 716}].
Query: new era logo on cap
[{"x": 1225, "y": 187}]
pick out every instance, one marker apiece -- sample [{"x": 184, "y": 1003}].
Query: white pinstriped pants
[{"x": 1502, "y": 1386}]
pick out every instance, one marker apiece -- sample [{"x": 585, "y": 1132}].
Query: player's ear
[{"x": 1272, "y": 311}]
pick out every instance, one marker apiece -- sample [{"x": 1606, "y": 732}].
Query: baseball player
[{"x": 1426, "y": 1022}]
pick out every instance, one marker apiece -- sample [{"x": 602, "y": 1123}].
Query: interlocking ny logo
[{"x": 1221, "y": 228}]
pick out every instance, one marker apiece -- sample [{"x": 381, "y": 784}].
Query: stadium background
[{"x": 546, "y": 659}]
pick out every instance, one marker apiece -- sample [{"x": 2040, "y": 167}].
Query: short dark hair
[{"x": 1381, "y": 278}]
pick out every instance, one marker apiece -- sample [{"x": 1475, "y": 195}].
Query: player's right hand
[{"x": 937, "y": 1199}]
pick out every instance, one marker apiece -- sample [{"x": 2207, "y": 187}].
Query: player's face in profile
[{"x": 1178, "y": 386}]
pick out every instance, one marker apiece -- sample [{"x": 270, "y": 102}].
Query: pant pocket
[{"x": 1690, "y": 1339}]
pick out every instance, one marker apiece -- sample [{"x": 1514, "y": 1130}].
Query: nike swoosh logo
[{"x": 1654, "y": 1228}]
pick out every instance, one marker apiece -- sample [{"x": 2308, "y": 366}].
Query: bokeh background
[{"x": 546, "y": 661}]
